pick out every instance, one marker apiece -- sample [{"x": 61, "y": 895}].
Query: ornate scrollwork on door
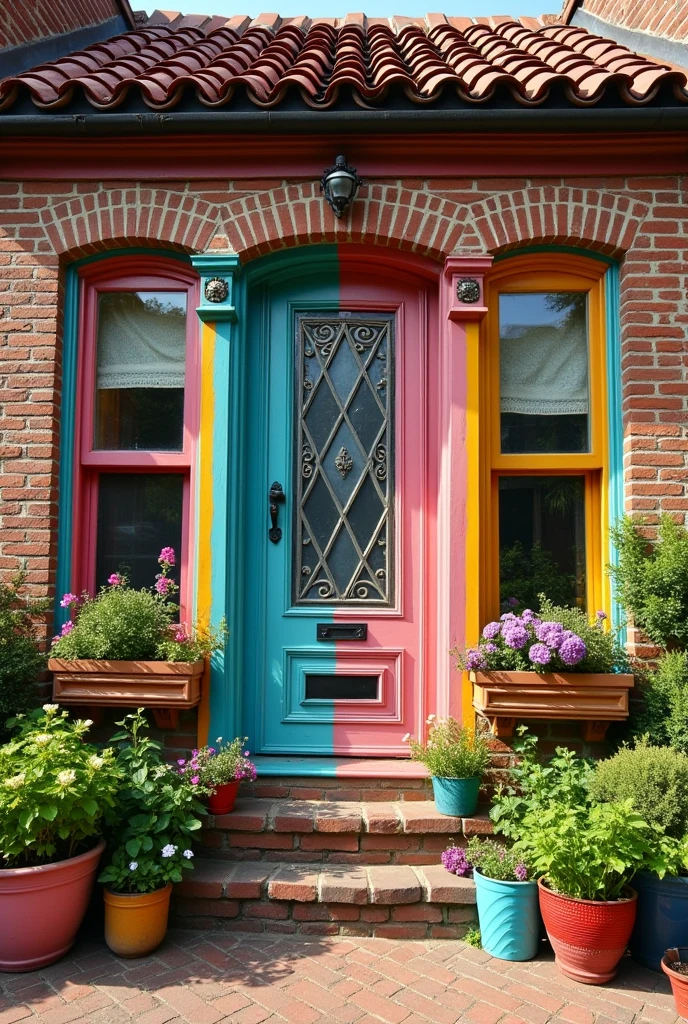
[{"x": 344, "y": 480}]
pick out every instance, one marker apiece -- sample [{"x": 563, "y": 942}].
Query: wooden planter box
[
  {"x": 505, "y": 697},
  {"x": 163, "y": 686}
]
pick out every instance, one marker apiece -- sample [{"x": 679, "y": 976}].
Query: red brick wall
[
  {"x": 641, "y": 220},
  {"x": 668, "y": 18},
  {"x": 26, "y": 21}
]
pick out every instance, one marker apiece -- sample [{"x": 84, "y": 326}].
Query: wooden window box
[{"x": 597, "y": 699}]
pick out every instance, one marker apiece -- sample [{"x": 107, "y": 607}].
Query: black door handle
[{"x": 275, "y": 498}]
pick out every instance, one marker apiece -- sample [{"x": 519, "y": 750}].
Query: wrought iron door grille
[{"x": 344, "y": 472}]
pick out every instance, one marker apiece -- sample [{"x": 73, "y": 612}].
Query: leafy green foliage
[
  {"x": 157, "y": 815},
  {"x": 472, "y": 938},
  {"x": 21, "y": 661},
  {"x": 494, "y": 860},
  {"x": 178, "y": 645},
  {"x": 54, "y": 790},
  {"x": 654, "y": 779},
  {"x": 663, "y": 715},
  {"x": 120, "y": 624},
  {"x": 215, "y": 766},
  {"x": 524, "y": 575},
  {"x": 652, "y": 580},
  {"x": 452, "y": 751}
]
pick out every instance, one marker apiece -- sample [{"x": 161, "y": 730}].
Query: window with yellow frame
[{"x": 543, "y": 433}]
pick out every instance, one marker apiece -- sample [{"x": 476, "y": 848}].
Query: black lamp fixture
[{"x": 340, "y": 185}]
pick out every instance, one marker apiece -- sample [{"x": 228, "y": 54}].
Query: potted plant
[
  {"x": 55, "y": 790},
  {"x": 655, "y": 780},
  {"x": 124, "y": 648},
  {"x": 456, "y": 758},
  {"x": 556, "y": 664},
  {"x": 220, "y": 771},
  {"x": 506, "y": 895},
  {"x": 21, "y": 660},
  {"x": 675, "y": 966},
  {"x": 586, "y": 856},
  {"x": 156, "y": 818}
]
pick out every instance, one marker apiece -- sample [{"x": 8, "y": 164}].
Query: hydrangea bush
[
  {"x": 555, "y": 640},
  {"x": 211, "y": 767},
  {"x": 122, "y": 624}
]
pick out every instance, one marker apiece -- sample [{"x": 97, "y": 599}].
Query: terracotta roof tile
[{"x": 176, "y": 59}]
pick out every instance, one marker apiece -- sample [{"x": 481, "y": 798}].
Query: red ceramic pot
[
  {"x": 41, "y": 909},
  {"x": 222, "y": 800},
  {"x": 679, "y": 982},
  {"x": 588, "y": 937}
]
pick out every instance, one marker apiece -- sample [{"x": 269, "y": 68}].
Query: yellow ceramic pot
[{"x": 135, "y": 923}]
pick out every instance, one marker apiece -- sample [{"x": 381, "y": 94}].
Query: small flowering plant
[
  {"x": 555, "y": 640},
  {"x": 123, "y": 624},
  {"x": 211, "y": 767},
  {"x": 491, "y": 859},
  {"x": 452, "y": 751},
  {"x": 55, "y": 790},
  {"x": 157, "y": 815}
]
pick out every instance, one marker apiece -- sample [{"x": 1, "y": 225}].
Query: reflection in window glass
[
  {"x": 138, "y": 515},
  {"x": 543, "y": 370},
  {"x": 541, "y": 540},
  {"x": 140, "y": 371}
]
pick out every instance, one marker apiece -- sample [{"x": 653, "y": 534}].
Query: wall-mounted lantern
[{"x": 340, "y": 185}]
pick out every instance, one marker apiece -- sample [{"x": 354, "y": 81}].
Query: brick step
[
  {"x": 406, "y": 784},
  {"x": 388, "y": 901},
  {"x": 337, "y": 832}
]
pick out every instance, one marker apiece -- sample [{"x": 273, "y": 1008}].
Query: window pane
[
  {"x": 542, "y": 540},
  {"x": 140, "y": 371},
  {"x": 138, "y": 515},
  {"x": 543, "y": 371}
]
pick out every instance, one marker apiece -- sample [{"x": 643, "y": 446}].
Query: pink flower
[
  {"x": 181, "y": 761},
  {"x": 68, "y": 599},
  {"x": 167, "y": 557},
  {"x": 163, "y": 585},
  {"x": 180, "y": 636},
  {"x": 115, "y": 580},
  {"x": 67, "y": 627},
  {"x": 195, "y": 780}
]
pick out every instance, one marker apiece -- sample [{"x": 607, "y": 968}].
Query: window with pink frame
[{"x": 137, "y": 420}]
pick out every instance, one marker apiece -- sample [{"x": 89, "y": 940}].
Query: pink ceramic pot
[
  {"x": 222, "y": 800},
  {"x": 41, "y": 909}
]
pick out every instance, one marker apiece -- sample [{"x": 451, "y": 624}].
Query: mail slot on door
[{"x": 341, "y": 631}]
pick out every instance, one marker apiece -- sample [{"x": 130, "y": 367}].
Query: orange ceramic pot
[
  {"x": 41, "y": 909},
  {"x": 679, "y": 982},
  {"x": 135, "y": 923}
]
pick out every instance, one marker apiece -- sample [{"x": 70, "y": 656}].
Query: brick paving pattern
[{"x": 208, "y": 977}]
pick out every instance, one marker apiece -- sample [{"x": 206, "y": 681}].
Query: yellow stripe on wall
[{"x": 473, "y": 508}]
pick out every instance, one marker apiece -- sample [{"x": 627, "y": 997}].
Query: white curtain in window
[
  {"x": 544, "y": 369},
  {"x": 141, "y": 341}
]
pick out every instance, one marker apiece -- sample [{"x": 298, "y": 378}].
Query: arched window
[{"x": 544, "y": 436}]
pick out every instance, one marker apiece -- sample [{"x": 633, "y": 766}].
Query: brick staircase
[{"x": 353, "y": 856}]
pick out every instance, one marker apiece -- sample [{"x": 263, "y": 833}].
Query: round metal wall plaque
[
  {"x": 216, "y": 289},
  {"x": 468, "y": 290}
]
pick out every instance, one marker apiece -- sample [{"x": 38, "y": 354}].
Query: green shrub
[
  {"x": 119, "y": 625},
  {"x": 21, "y": 661},
  {"x": 655, "y": 779},
  {"x": 452, "y": 750},
  {"x": 652, "y": 579},
  {"x": 524, "y": 575},
  {"x": 663, "y": 715}
]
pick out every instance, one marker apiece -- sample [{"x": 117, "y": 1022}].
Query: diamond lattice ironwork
[{"x": 344, "y": 493}]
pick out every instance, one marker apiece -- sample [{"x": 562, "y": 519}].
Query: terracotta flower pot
[
  {"x": 136, "y": 923},
  {"x": 679, "y": 982},
  {"x": 588, "y": 937},
  {"x": 41, "y": 909},
  {"x": 222, "y": 800}
]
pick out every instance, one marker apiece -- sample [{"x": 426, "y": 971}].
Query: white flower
[
  {"x": 219, "y": 739},
  {"x": 406, "y": 738},
  {"x": 42, "y": 739},
  {"x": 16, "y": 781},
  {"x": 88, "y": 723},
  {"x": 67, "y": 777},
  {"x": 430, "y": 719},
  {"x": 49, "y": 708},
  {"x": 188, "y": 854},
  {"x": 133, "y": 864},
  {"x": 95, "y": 761},
  {"x": 169, "y": 850}
]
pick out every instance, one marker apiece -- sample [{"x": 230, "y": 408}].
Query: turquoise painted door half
[{"x": 335, "y": 484}]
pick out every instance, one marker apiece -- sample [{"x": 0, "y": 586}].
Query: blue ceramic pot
[
  {"x": 509, "y": 916},
  {"x": 458, "y": 797},
  {"x": 662, "y": 918}
]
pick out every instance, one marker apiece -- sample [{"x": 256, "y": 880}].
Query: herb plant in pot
[
  {"x": 55, "y": 790},
  {"x": 219, "y": 771},
  {"x": 157, "y": 816},
  {"x": 506, "y": 895},
  {"x": 456, "y": 758}
]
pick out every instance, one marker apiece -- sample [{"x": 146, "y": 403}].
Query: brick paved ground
[{"x": 207, "y": 977}]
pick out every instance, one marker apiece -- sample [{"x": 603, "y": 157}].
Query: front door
[{"x": 337, "y": 526}]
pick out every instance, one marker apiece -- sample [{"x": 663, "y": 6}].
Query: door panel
[{"x": 337, "y": 379}]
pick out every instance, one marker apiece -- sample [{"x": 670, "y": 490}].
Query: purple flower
[
  {"x": 68, "y": 599},
  {"x": 491, "y": 630},
  {"x": 246, "y": 753},
  {"x": 474, "y": 659},
  {"x": 540, "y": 654},
  {"x": 163, "y": 585},
  {"x": 167, "y": 557},
  {"x": 572, "y": 650},
  {"x": 515, "y": 635},
  {"x": 455, "y": 861},
  {"x": 195, "y": 779},
  {"x": 601, "y": 615},
  {"x": 115, "y": 580},
  {"x": 550, "y": 633},
  {"x": 528, "y": 616},
  {"x": 513, "y": 602},
  {"x": 67, "y": 627},
  {"x": 489, "y": 648},
  {"x": 181, "y": 761},
  {"x": 508, "y": 617},
  {"x": 521, "y": 872},
  {"x": 211, "y": 750}
]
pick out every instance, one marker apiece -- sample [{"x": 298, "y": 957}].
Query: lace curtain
[
  {"x": 141, "y": 340},
  {"x": 543, "y": 366}
]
